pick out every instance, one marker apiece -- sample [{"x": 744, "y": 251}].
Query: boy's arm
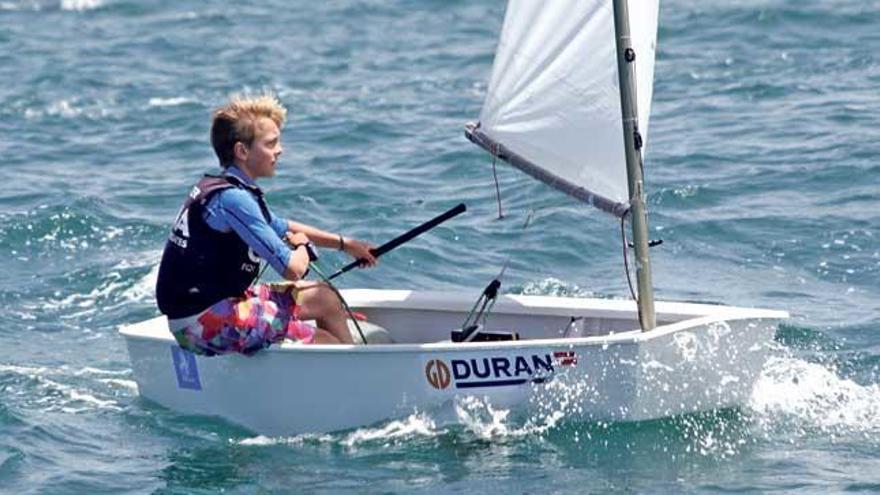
[
  {"x": 299, "y": 258},
  {"x": 353, "y": 247},
  {"x": 240, "y": 213}
]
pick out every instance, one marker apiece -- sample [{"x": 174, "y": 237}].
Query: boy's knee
[{"x": 330, "y": 299}]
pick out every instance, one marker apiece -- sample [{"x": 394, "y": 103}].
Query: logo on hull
[
  {"x": 437, "y": 374},
  {"x": 496, "y": 371},
  {"x": 186, "y": 368}
]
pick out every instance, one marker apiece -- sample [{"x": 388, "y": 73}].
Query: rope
[
  {"x": 497, "y": 188},
  {"x": 314, "y": 266},
  {"x": 570, "y": 325},
  {"x": 625, "y": 258},
  {"x": 471, "y": 314},
  {"x": 489, "y": 302},
  {"x": 260, "y": 275}
]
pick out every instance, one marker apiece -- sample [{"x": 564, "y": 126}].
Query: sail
[{"x": 553, "y": 102}]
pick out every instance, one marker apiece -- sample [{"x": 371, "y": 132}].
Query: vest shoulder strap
[{"x": 211, "y": 184}]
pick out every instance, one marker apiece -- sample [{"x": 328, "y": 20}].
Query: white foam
[
  {"x": 170, "y": 102},
  {"x": 64, "y": 397},
  {"x": 109, "y": 233},
  {"x": 29, "y": 371},
  {"x": 145, "y": 288},
  {"x": 113, "y": 292},
  {"x": 58, "y": 396},
  {"x": 80, "y": 5},
  {"x": 490, "y": 422},
  {"x": 416, "y": 424},
  {"x": 87, "y": 300},
  {"x": 554, "y": 287},
  {"x": 264, "y": 441},
  {"x": 83, "y": 396},
  {"x": 482, "y": 419},
  {"x": 129, "y": 385},
  {"x": 790, "y": 391},
  {"x": 59, "y": 108},
  {"x": 75, "y": 108},
  {"x": 814, "y": 396},
  {"x": 88, "y": 370}
]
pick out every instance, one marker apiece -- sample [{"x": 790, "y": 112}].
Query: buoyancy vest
[{"x": 202, "y": 266}]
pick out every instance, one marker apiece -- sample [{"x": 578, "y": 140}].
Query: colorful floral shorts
[{"x": 263, "y": 316}]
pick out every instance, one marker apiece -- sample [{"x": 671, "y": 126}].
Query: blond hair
[{"x": 237, "y": 122}]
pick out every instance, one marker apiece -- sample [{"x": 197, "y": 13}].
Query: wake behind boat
[{"x": 568, "y": 78}]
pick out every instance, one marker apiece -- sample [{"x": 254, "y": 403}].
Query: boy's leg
[
  {"x": 318, "y": 302},
  {"x": 324, "y": 337}
]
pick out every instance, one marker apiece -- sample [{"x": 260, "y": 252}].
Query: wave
[
  {"x": 113, "y": 292},
  {"x": 114, "y": 289},
  {"x": 66, "y": 5},
  {"x": 61, "y": 389},
  {"x": 170, "y": 102},
  {"x": 264, "y": 441},
  {"x": 792, "y": 392},
  {"x": 793, "y": 398},
  {"x": 553, "y": 287},
  {"x": 81, "y": 5},
  {"x": 94, "y": 109}
]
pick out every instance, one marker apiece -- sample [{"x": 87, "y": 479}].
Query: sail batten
[{"x": 553, "y": 99}]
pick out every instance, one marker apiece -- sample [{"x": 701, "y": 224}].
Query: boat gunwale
[{"x": 716, "y": 314}]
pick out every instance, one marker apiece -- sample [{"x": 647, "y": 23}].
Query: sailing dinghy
[{"x": 561, "y": 106}]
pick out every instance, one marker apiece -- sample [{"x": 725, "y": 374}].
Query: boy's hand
[
  {"x": 296, "y": 238},
  {"x": 360, "y": 250}
]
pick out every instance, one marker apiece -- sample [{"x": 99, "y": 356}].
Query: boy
[{"x": 225, "y": 228}]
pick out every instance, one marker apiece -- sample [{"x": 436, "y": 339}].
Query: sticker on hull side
[
  {"x": 496, "y": 371},
  {"x": 185, "y": 368}
]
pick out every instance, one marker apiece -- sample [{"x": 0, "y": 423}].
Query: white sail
[{"x": 553, "y": 99}]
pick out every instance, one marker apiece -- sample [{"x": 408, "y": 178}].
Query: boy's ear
[{"x": 240, "y": 150}]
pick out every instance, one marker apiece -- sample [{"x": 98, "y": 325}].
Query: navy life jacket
[{"x": 202, "y": 266}]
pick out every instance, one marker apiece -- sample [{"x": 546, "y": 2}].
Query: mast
[{"x": 626, "y": 58}]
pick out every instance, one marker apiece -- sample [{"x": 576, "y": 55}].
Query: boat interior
[
  {"x": 438, "y": 317},
  {"x": 412, "y": 317}
]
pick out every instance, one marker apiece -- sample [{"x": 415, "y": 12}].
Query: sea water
[{"x": 763, "y": 181}]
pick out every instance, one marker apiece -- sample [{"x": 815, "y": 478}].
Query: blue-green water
[{"x": 763, "y": 181}]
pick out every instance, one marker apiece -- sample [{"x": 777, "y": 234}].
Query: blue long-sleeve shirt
[{"x": 235, "y": 209}]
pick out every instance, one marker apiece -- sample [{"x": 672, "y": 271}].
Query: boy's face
[{"x": 263, "y": 153}]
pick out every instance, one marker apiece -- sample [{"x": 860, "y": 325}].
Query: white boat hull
[{"x": 701, "y": 357}]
